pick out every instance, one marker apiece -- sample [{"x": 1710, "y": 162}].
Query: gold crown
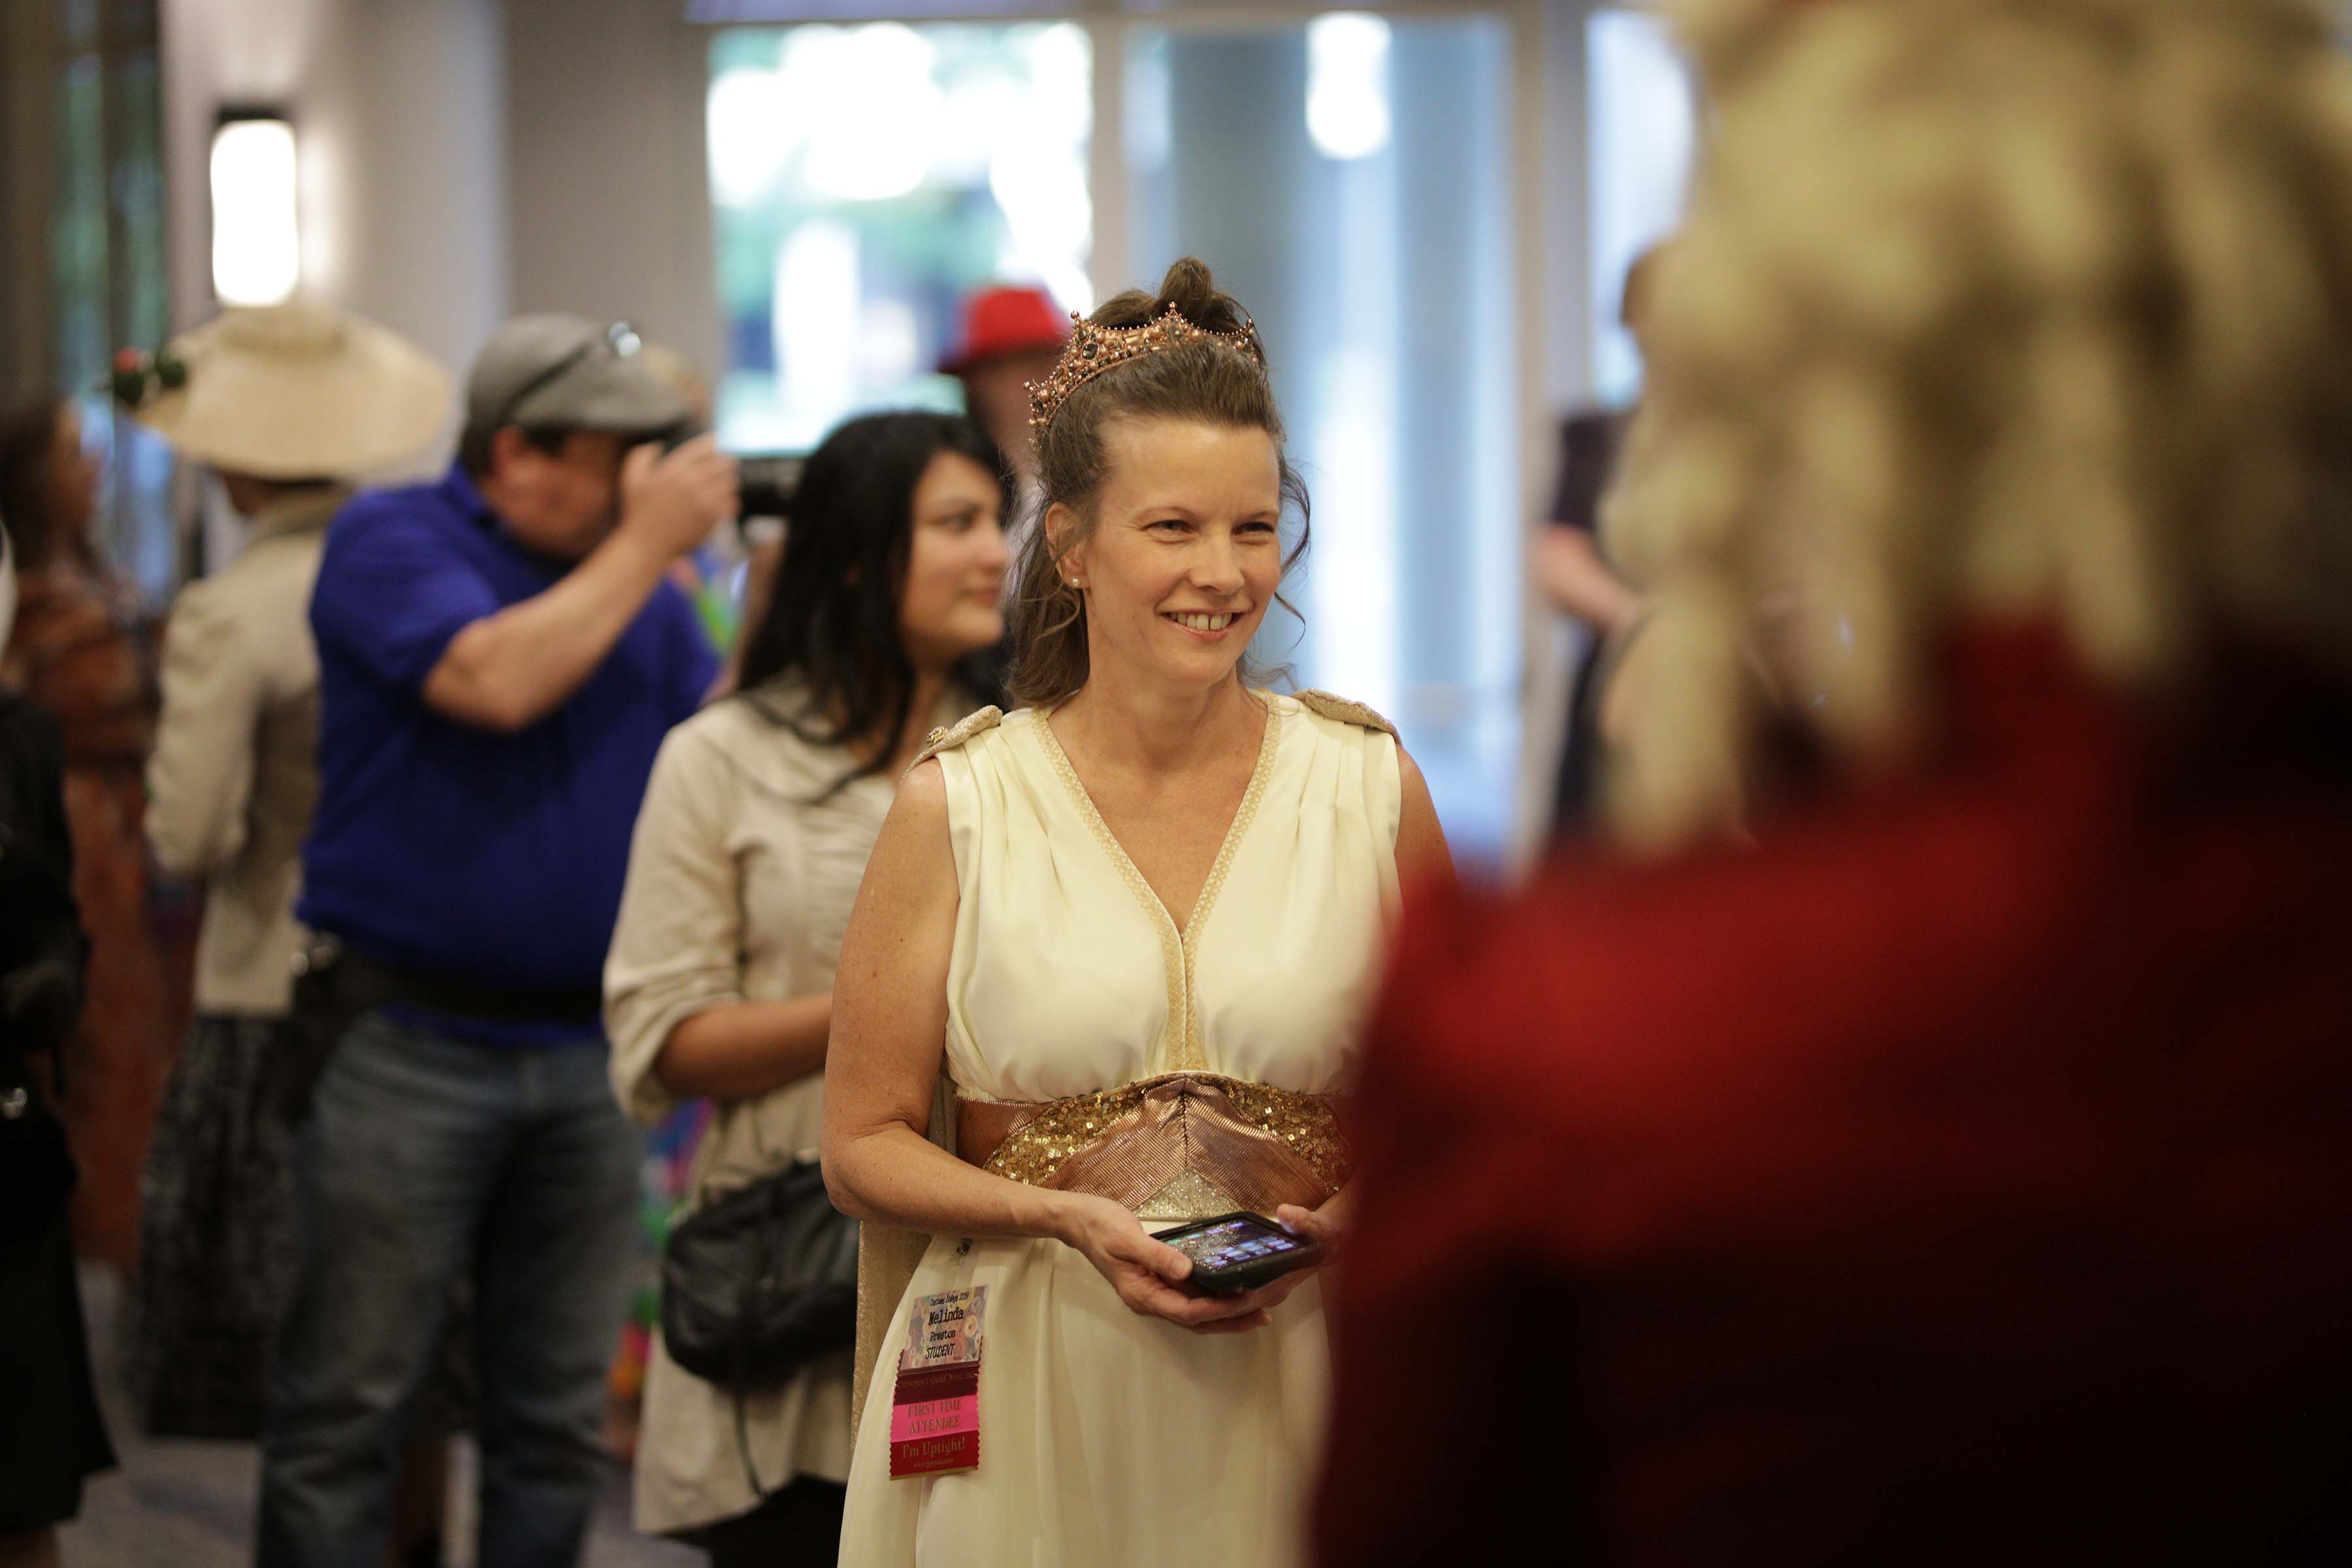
[{"x": 1093, "y": 350}]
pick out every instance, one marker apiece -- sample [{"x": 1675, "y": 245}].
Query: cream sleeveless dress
[{"x": 1108, "y": 1440}]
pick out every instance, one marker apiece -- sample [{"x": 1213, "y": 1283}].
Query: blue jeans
[{"x": 424, "y": 1156}]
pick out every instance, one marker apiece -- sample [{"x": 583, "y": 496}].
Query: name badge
[{"x": 935, "y": 1406}]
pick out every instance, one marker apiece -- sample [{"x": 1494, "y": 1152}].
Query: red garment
[
  {"x": 79, "y": 652},
  {"x": 1963, "y": 1173}
]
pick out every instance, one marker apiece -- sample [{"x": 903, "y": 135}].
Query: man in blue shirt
[{"x": 500, "y": 654}]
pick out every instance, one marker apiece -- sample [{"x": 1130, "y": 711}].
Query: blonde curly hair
[{"x": 1987, "y": 309}]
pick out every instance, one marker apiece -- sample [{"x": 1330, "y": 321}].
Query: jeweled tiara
[{"x": 1093, "y": 350}]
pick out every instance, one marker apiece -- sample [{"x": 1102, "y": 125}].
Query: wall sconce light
[{"x": 256, "y": 249}]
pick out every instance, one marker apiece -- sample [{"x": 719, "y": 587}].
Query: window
[
  {"x": 84, "y": 181},
  {"x": 864, "y": 179}
]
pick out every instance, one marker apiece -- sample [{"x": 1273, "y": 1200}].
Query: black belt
[
  {"x": 384, "y": 985},
  {"x": 334, "y": 987}
]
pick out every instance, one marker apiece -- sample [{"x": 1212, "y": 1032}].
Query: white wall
[
  {"x": 609, "y": 205},
  {"x": 398, "y": 110},
  {"x": 462, "y": 160}
]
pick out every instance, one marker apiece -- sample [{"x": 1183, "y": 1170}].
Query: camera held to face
[{"x": 764, "y": 481}]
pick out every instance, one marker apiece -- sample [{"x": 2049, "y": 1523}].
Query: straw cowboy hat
[{"x": 296, "y": 392}]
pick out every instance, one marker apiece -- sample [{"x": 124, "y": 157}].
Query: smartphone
[{"x": 1240, "y": 1251}]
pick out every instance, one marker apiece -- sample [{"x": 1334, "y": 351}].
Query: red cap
[{"x": 1002, "y": 320}]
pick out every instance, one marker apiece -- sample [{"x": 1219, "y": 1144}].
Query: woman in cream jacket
[{"x": 748, "y": 850}]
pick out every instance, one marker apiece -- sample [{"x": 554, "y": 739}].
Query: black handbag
[
  {"x": 760, "y": 1281},
  {"x": 37, "y": 1169}
]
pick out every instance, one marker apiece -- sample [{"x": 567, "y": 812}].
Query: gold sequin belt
[{"x": 1184, "y": 1146}]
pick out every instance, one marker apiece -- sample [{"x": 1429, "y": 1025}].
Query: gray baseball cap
[{"x": 568, "y": 373}]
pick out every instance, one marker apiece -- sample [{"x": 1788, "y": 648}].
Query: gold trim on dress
[
  {"x": 1177, "y": 949},
  {"x": 976, "y": 723},
  {"x": 1346, "y": 711}
]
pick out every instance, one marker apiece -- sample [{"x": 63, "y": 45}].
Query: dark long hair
[
  {"x": 833, "y": 620},
  {"x": 28, "y": 435}
]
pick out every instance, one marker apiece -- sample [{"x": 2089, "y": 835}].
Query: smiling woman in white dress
[
  {"x": 754, "y": 832},
  {"x": 1131, "y": 928}
]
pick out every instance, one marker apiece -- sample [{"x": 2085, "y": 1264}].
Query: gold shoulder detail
[
  {"x": 956, "y": 734},
  {"x": 1347, "y": 712}
]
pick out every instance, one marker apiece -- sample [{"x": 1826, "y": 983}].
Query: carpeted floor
[{"x": 190, "y": 1505}]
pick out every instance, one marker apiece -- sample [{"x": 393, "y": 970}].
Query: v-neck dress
[{"x": 1107, "y": 1437}]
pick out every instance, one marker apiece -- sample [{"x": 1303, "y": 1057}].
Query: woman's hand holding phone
[{"x": 1148, "y": 1274}]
